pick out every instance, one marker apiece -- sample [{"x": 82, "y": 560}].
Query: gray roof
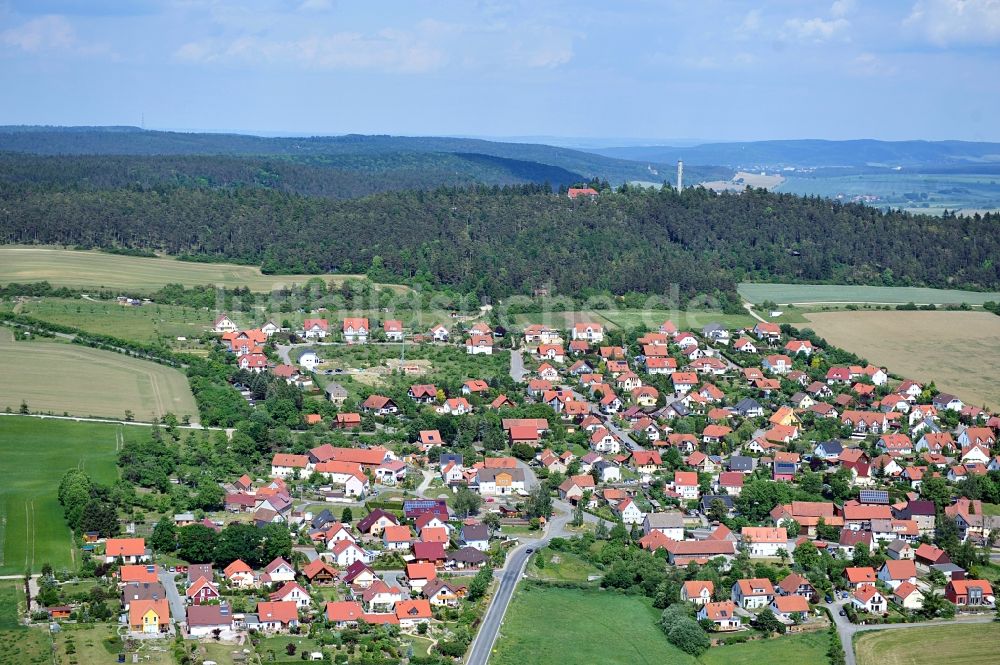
[
  {"x": 740, "y": 463},
  {"x": 472, "y": 532},
  {"x": 747, "y": 404},
  {"x": 668, "y": 520},
  {"x": 488, "y": 475},
  {"x": 831, "y": 447},
  {"x": 335, "y": 388},
  {"x": 467, "y": 555}
]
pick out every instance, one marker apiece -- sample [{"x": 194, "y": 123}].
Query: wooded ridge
[{"x": 498, "y": 241}]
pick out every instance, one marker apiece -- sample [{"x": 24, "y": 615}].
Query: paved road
[
  {"x": 510, "y": 574},
  {"x": 846, "y": 630},
  {"x": 517, "y": 370},
  {"x": 177, "y": 611}
]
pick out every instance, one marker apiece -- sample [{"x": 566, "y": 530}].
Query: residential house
[
  {"x": 868, "y": 599},
  {"x": 149, "y": 617},
  {"x": 356, "y": 330},
  {"x": 275, "y": 616},
  {"x": 697, "y": 592},
  {"x": 762, "y": 541},
  {"x": 970, "y": 593},
  {"x": 722, "y": 615},
  {"x": 753, "y": 593}
]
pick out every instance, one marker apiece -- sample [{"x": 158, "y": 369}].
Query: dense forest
[{"x": 498, "y": 241}]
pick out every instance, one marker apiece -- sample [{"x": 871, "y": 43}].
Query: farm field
[
  {"x": 934, "y": 645},
  {"x": 924, "y": 193},
  {"x": 959, "y": 351},
  {"x": 149, "y": 323},
  {"x": 69, "y": 378},
  {"x": 34, "y": 453},
  {"x": 559, "y": 626},
  {"x": 782, "y": 294},
  {"x": 83, "y": 269}
]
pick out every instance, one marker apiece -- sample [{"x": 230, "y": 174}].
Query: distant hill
[
  {"x": 352, "y": 152},
  {"x": 339, "y": 177},
  {"x": 817, "y": 153}
]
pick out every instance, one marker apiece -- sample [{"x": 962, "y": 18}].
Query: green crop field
[
  {"x": 823, "y": 293},
  {"x": 68, "y": 378},
  {"x": 34, "y": 454},
  {"x": 92, "y": 269},
  {"x": 552, "y": 626},
  {"x": 933, "y": 645}
]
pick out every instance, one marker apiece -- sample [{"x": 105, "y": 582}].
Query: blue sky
[{"x": 712, "y": 69}]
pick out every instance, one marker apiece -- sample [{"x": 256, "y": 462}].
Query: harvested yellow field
[
  {"x": 959, "y": 351},
  {"x": 68, "y": 378}
]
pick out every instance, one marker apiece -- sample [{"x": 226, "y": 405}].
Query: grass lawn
[
  {"x": 960, "y": 351},
  {"x": 561, "y": 567},
  {"x": 278, "y": 645},
  {"x": 934, "y": 645},
  {"x": 820, "y": 293},
  {"x": 554, "y": 626},
  {"x": 148, "y": 323},
  {"x": 64, "y": 267},
  {"x": 60, "y": 378},
  {"x": 34, "y": 454},
  {"x": 19, "y": 645},
  {"x": 991, "y": 508},
  {"x": 791, "y": 649}
]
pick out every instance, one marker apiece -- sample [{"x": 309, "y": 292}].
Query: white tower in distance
[{"x": 680, "y": 175}]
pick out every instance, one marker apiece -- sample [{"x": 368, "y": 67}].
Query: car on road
[
  {"x": 529, "y": 550},
  {"x": 829, "y": 599},
  {"x": 172, "y": 569},
  {"x": 842, "y": 613}
]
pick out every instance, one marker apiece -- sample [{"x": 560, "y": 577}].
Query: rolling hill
[{"x": 457, "y": 159}]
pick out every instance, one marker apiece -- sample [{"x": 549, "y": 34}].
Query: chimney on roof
[{"x": 680, "y": 174}]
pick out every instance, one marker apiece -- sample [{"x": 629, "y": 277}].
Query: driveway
[
  {"x": 846, "y": 630},
  {"x": 177, "y": 609}
]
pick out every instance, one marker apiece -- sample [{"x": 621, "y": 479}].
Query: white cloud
[
  {"x": 815, "y": 29},
  {"x": 387, "y": 50},
  {"x": 946, "y": 22},
  {"x": 50, "y": 34},
  {"x": 46, "y": 33}
]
